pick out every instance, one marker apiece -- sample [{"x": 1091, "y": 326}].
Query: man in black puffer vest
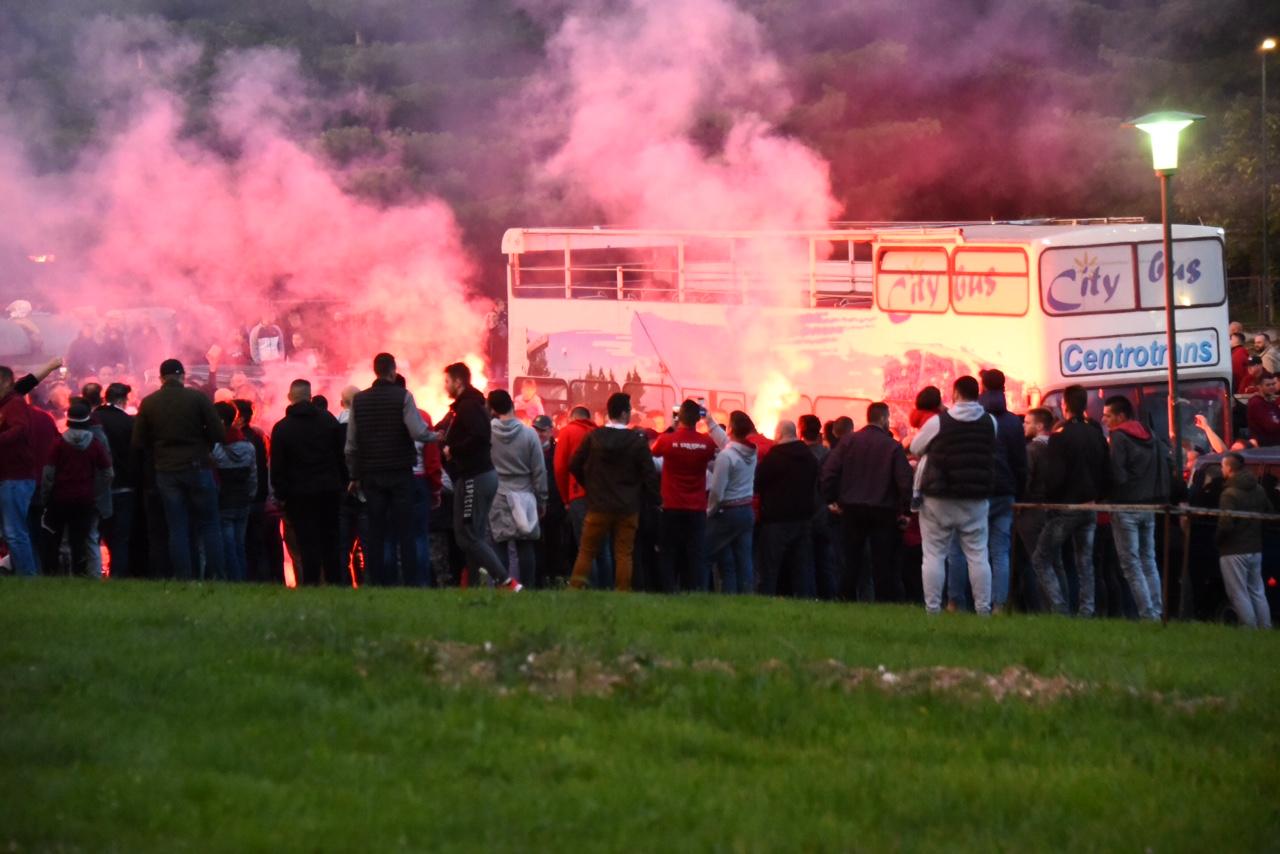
[
  {"x": 958, "y": 479},
  {"x": 467, "y": 442},
  {"x": 307, "y": 476},
  {"x": 380, "y": 456}
]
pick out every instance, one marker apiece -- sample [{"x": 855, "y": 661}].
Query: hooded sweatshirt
[
  {"x": 960, "y": 465},
  {"x": 1137, "y": 461},
  {"x": 237, "y": 469},
  {"x": 1242, "y": 536},
  {"x": 468, "y": 436},
  {"x": 614, "y": 466},
  {"x": 733, "y": 477},
  {"x": 77, "y": 470},
  {"x": 522, "y": 481}
]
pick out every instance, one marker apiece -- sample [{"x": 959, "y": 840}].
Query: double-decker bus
[{"x": 825, "y": 322}]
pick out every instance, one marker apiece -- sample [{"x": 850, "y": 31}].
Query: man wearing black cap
[
  {"x": 118, "y": 427},
  {"x": 178, "y": 427}
]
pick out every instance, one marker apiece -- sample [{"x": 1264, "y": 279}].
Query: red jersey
[{"x": 685, "y": 455}]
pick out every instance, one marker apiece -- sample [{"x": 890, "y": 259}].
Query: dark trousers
[
  {"x": 879, "y": 528},
  {"x": 263, "y": 547},
  {"x": 353, "y": 528},
  {"x": 785, "y": 551},
  {"x": 389, "y": 503},
  {"x": 315, "y": 525},
  {"x": 74, "y": 520},
  {"x": 158, "y": 565},
  {"x": 190, "y": 501},
  {"x": 117, "y": 532},
  {"x": 827, "y": 555},
  {"x": 551, "y": 548},
  {"x": 684, "y": 534}
]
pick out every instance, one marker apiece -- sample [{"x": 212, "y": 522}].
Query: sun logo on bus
[{"x": 1084, "y": 263}]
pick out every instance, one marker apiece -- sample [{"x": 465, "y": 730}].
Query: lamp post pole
[
  {"x": 1170, "y": 321},
  {"x": 1268, "y": 297}
]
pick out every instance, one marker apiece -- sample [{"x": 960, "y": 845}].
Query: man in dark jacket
[
  {"x": 957, "y": 483},
  {"x": 1077, "y": 470},
  {"x": 264, "y": 550},
  {"x": 118, "y": 427},
  {"x": 1240, "y": 543},
  {"x": 179, "y": 427},
  {"x": 468, "y": 438},
  {"x": 615, "y": 467},
  {"x": 827, "y": 557},
  {"x": 380, "y": 456},
  {"x": 307, "y": 476},
  {"x": 1140, "y": 474},
  {"x": 868, "y": 476},
  {"x": 551, "y": 560},
  {"x": 787, "y": 481}
]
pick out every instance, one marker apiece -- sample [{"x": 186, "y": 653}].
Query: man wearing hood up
[
  {"x": 77, "y": 472},
  {"x": 1140, "y": 474},
  {"x": 1010, "y": 464},
  {"x": 521, "y": 500},
  {"x": 957, "y": 485}
]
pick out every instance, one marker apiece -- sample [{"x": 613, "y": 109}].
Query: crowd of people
[{"x": 184, "y": 486}]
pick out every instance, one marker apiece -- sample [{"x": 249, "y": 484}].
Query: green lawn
[{"x": 138, "y": 716}]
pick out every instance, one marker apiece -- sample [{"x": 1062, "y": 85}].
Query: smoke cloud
[{"x": 225, "y": 215}]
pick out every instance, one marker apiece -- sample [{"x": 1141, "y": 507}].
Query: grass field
[{"x": 138, "y": 716}]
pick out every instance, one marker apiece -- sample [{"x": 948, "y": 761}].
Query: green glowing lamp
[{"x": 1163, "y": 128}]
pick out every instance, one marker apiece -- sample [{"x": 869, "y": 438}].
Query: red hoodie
[{"x": 566, "y": 446}]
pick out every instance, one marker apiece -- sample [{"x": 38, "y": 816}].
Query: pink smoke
[{"x": 242, "y": 221}]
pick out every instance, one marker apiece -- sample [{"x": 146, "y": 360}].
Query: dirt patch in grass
[{"x": 560, "y": 673}]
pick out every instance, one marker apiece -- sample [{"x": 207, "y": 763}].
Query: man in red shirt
[
  {"x": 685, "y": 455},
  {"x": 1239, "y": 362},
  {"x": 573, "y": 494},
  {"x": 1264, "y": 412}
]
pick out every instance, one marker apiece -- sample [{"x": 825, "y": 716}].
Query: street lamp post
[
  {"x": 1267, "y": 46},
  {"x": 1163, "y": 129}
]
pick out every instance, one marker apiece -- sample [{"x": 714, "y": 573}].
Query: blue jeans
[
  {"x": 1135, "y": 537},
  {"x": 190, "y": 496},
  {"x": 1060, "y": 526},
  {"x": 999, "y": 542},
  {"x": 729, "y": 545},
  {"x": 602, "y": 569},
  {"x": 15, "y": 502},
  {"x": 235, "y": 521}
]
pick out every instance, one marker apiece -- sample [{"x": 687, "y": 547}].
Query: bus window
[
  {"x": 592, "y": 393},
  {"x": 535, "y": 396},
  {"x": 830, "y": 408},
  {"x": 538, "y": 274},
  {"x": 1197, "y": 274},
  {"x": 990, "y": 281},
  {"x": 728, "y": 401},
  {"x": 913, "y": 279},
  {"x": 653, "y": 400}
]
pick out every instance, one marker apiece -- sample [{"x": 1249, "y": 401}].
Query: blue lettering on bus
[
  {"x": 1090, "y": 280},
  {"x": 1189, "y": 273},
  {"x": 1122, "y": 357}
]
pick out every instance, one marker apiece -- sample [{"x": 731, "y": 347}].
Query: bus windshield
[{"x": 1150, "y": 401}]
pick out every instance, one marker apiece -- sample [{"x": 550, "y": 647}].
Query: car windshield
[{"x": 1151, "y": 405}]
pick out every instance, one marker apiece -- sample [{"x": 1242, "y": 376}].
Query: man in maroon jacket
[
  {"x": 77, "y": 470},
  {"x": 1264, "y": 412},
  {"x": 18, "y": 469},
  {"x": 685, "y": 455}
]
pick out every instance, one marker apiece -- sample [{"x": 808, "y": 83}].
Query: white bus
[{"x": 825, "y": 322}]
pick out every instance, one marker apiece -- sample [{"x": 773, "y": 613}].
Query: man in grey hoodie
[
  {"x": 521, "y": 500},
  {"x": 957, "y": 485},
  {"x": 730, "y": 517}
]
